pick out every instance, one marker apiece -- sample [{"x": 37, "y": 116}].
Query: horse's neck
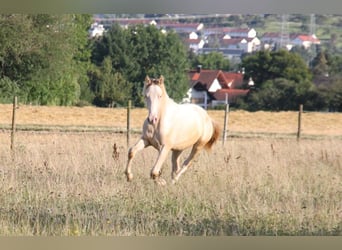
[{"x": 168, "y": 104}]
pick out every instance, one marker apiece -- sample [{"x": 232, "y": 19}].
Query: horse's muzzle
[{"x": 152, "y": 120}]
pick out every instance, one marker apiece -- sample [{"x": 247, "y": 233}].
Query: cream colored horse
[{"x": 172, "y": 127}]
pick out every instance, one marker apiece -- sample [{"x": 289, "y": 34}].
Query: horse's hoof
[
  {"x": 129, "y": 177},
  {"x": 155, "y": 176}
]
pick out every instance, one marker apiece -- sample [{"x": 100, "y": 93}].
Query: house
[
  {"x": 214, "y": 87},
  {"x": 96, "y": 30},
  {"x": 304, "y": 40},
  {"x": 241, "y": 32},
  {"x": 125, "y": 23},
  {"x": 271, "y": 39},
  {"x": 248, "y": 45},
  {"x": 193, "y": 35},
  {"x": 194, "y": 44},
  {"x": 234, "y": 43},
  {"x": 180, "y": 27},
  {"x": 230, "y": 32},
  {"x": 231, "y": 96}
]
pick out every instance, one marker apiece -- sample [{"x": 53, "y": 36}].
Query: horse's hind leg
[
  {"x": 195, "y": 150},
  {"x": 141, "y": 144},
  {"x": 175, "y": 163}
]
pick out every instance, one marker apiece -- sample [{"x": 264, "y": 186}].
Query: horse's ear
[
  {"x": 161, "y": 79},
  {"x": 147, "y": 80}
]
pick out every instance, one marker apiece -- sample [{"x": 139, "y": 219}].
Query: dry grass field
[{"x": 68, "y": 182}]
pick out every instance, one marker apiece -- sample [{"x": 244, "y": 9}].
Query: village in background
[{"x": 233, "y": 36}]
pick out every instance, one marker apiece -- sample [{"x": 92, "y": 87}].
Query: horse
[{"x": 174, "y": 127}]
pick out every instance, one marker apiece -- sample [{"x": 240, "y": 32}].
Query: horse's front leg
[
  {"x": 141, "y": 144},
  {"x": 156, "y": 170}
]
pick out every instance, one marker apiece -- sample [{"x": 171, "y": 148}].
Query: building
[{"x": 209, "y": 88}]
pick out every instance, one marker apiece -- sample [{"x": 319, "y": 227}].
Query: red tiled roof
[
  {"x": 308, "y": 38},
  {"x": 195, "y": 76},
  {"x": 235, "y": 78},
  {"x": 192, "y": 41},
  {"x": 239, "y": 30},
  {"x": 272, "y": 35},
  {"x": 132, "y": 21},
  {"x": 231, "y": 41},
  {"x": 206, "y": 78},
  {"x": 178, "y": 25}
]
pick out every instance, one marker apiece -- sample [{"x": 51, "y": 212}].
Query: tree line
[
  {"x": 283, "y": 81},
  {"x": 50, "y": 60}
]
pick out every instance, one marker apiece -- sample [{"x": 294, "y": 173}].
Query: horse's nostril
[{"x": 153, "y": 119}]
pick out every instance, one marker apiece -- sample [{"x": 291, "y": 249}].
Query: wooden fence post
[
  {"x": 299, "y": 121},
  {"x": 129, "y": 104},
  {"x": 15, "y": 100},
  {"x": 226, "y": 118}
]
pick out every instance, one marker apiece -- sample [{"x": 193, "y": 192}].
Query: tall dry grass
[{"x": 70, "y": 184}]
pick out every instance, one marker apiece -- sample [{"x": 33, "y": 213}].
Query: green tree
[
  {"x": 19, "y": 49},
  {"x": 213, "y": 60},
  {"x": 267, "y": 65},
  {"x": 320, "y": 67},
  {"x": 110, "y": 88},
  {"x": 45, "y": 55},
  {"x": 327, "y": 70},
  {"x": 283, "y": 81},
  {"x": 282, "y": 94},
  {"x": 139, "y": 51}
]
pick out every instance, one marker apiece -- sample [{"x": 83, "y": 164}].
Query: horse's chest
[{"x": 153, "y": 136}]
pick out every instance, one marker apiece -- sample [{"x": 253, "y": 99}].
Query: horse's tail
[{"x": 214, "y": 136}]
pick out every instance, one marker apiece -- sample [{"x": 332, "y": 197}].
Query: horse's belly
[
  {"x": 182, "y": 137},
  {"x": 184, "y": 126}
]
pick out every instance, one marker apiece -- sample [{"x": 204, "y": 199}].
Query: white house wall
[
  {"x": 215, "y": 86},
  {"x": 193, "y": 35}
]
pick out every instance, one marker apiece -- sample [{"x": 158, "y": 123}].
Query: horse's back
[{"x": 185, "y": 125}]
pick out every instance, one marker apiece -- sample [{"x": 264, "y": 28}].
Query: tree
[
  {"x": 144, "y": 50},
  {"x": 110, "y": 88},
  {"x": 283, "y": 81},
  {"x": 267, "y": 65},
  {"x": 282, "y": 94},
  {"x": 45, "y": 55},
  {"x": 213, "y": 60},
  {"x": 320, "y": 67},
  {"x": 19, "y": 48}
]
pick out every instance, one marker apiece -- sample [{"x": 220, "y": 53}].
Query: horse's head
[{"x": 154, "y": 91}]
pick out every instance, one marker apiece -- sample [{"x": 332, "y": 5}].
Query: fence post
[
  {"x": 299, "y": 121},
  {"x": 15, "y": 100},
  {"x": 129, "y": 104},
  {"x": 226, "y": 118}
]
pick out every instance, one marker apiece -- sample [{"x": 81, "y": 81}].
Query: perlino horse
[{"x": 172, "y": 127}]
